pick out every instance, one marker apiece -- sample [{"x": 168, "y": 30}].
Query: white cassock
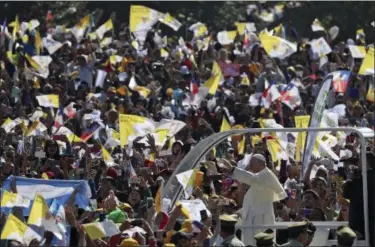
[{"x": 257, "y": 208}]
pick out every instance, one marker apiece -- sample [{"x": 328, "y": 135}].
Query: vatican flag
[
  {"x": 107, "y": 26},
  {"x": 141, "y": 20},
  {"x": 97, "y": 230},
  {"x": 15, "y": 229},
  {"x": 199, "y": 29},
  {"x": 107, "y": 157},
  {"x": 317, "y": 26},
  {"x": 277, "y": 47},
  {"x": 171, "y": 22},
  {"x": 226, "y": 37},
  {"x": 132, "y": 126},
  {"x": 50, "y": 100},
  {"x": 367, "y": 67}
]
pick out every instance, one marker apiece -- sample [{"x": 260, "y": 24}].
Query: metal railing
[{"x": 173, "y": 190}]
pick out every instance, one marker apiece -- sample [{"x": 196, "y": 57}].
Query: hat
[
  {"x": 117, "y": 216},
  {"x": 345, "y": 236},
  {"x": 129, "y": 242},
  {"x": 227, "y": 220},
  {"x": 169, "y": 92},
  {"x": 298, "y": 227},
  {"x": 264, "y": 238}
]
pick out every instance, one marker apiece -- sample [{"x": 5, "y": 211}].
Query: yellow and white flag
[
  {"x": 357, "y": 51},
  {"x": 33, "y": 24},
  {"x": 51, "y": 45},
  {"x": 277, "y": 47},
  {"x": 50, "y": 100},
  {"x": 105, "y": 42},
  {"x": 107, "y": 26},
  {"x": 199, "y": 29},
  {"x": 225, "y": 126},
  {"x": 9, "y": 200},
  {"x": 15, "y": 229},
  {"x": 367, "y": 67},
  {"x": 38, "y": 43},
  {"x": 79, "y": 30},
  {"x": 143, "y": 91},
  {"x": 187, "y": 180},
  {"x": 141, "y": 20},
  {"x": 16, "y": 28},
  {"x": 360, "y": 35},
  {"x": 317, "y": 26},
  {"x": 159, "y": 198},
  {"x": 320, "y": 46},
  {"x": 132, "y": 126},
  {"x": 43, "y": 65},
  {"x": 39, "y": 211},
  {"x": 164, "y": 53},
  {"x": 245, "y": 26},
  {"x": 107, "y": 157},
  {"x": 170, "y": 21},
  {"x": 301, "y": 122},
  {"x": 97, "y": 230},
  {"x": 226, "y": 37},
  {"x": 36, "y": 128}
]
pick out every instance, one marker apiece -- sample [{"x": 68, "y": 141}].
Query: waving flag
[
  {"x": 277, "y": 47},
  {"x": 15, "y": 229},
  {"x": 16, "y": 28},
  {"x": 79, "y": 30},
  {"x": 194, "y": 89},
  {"x": 107, "y": 26},
  {"x": 50, "y": 100},
  {"x": 51, "y": 45},
  {"x": 199, "y": 29},
  {"x": 317, "y": 26},
  {"x": 226, "y": 37},
  {"x": 107, "y": 157},
  {"x": 291, "y": 97},
  {"x": 97, "y": 230},
  {"x": 141, "y": 20},
  {"x": 340, "y": 80},
  {"x": 225, "y": 126},
  {"x": 367, "y": 67},
  {"x": 171, "y": 22},
  {"x": 59, "y": 120},
  {"x": 70, "y": 111},
  {"x": 9, "y": 200},
  {"x": 38, "y": 211},
  {"x": 270, "y": 95},
  {"x": 61, "y": 190},
  {"x": 94, "y": 127}
]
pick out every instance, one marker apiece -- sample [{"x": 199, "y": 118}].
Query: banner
[
  {"x": 315, "y": 120},
  {"x": 301, "y": 122}
]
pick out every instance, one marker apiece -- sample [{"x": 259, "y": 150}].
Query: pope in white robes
[{"x": 265, "y": 189}]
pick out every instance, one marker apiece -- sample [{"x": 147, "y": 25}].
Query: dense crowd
[{"x": 63, "y": 98}]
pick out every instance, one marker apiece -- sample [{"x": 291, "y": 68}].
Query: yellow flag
[
  {"x": 16, "y": 28},
  {"x": 38, "y": 43},
  {"x": 14, "y": 229},
  {"x": 301, "y": 122},
  {"x": 241, "y": 146},
  {"x": 278, "y": 30},
  {"x": 33, "y": 126},
  {"x": 367, "y": 67},
  {"x": 32, "y": 62},
  {"x": 185, "y": 212},
  {"x": 225, "y": 126},
  {"x": 45, "y": 176},
  {"x": 274, "y": 148},
  {"x": 107, "y": 157},
  {"x": 84, "y": 22},
  {"x": 255, "y": 139},
  {"x": 38, "y": 211},
  {"x": 159, "y": 198},
  {"x": 240, "y": 27}
]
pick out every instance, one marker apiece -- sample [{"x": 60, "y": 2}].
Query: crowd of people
[{"x": 70, "y": 154}]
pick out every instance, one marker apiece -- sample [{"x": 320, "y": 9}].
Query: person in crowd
[{"x": 345, "y": 236}]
